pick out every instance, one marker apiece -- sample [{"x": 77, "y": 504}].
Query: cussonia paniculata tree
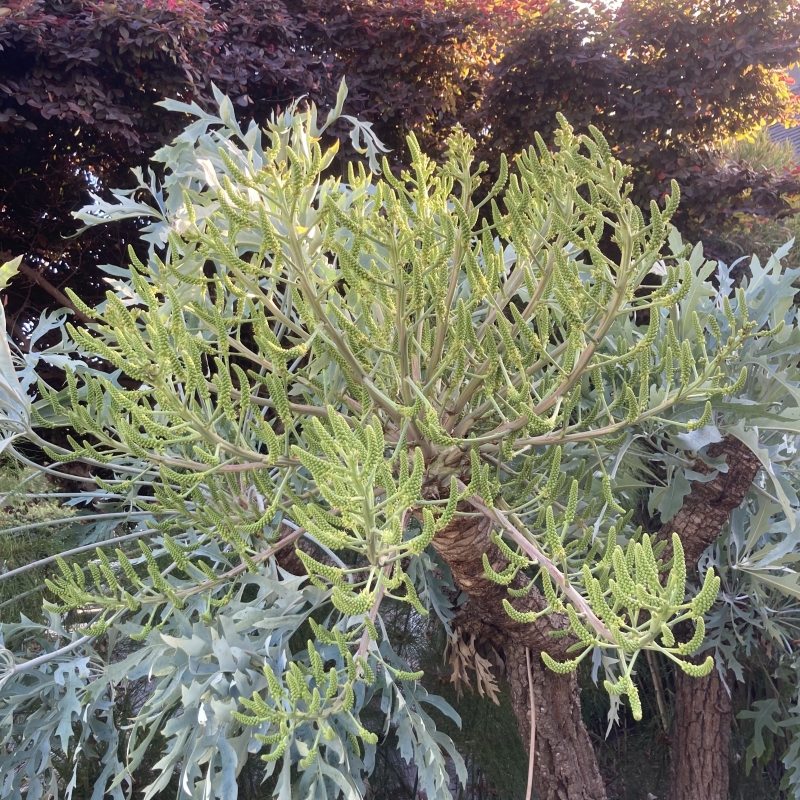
[{"x": 320, "y": 399}]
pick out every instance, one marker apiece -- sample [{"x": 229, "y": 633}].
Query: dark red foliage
[
  {"x": 410, "y": 64},
  {"x": 662, "y": 80},
  {"x": 104, "y": 65},
  {"x": 79, "y": 82}
]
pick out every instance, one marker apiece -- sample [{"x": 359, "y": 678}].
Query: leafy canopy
[{"x": 662, "y": 80}]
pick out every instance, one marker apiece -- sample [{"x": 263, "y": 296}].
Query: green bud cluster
[
  {"x": 560, "y": 667},
  {"x": 625, "y": 686},
  {"x": 639, "y": 609}
]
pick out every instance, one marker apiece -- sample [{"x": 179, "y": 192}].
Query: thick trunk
[
  {"x": 702, "y": 706},
  {"x": 565, "y": 763},
  {"x": 565, "y": 767},
  {"x": 708, "y": 506},
  {"x": 701, "y": 735}
]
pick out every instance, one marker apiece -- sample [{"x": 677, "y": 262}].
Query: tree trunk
[
  {"x": 565, "y": 763},
  {"x": 701, "y": 735},
  {"x": 565, "y": 766},
  {"x": 701, "y": 730},
  {"x": 708, "y": 506}
]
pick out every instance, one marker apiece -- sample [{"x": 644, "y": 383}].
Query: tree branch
[{"x": 56, "y": 294}]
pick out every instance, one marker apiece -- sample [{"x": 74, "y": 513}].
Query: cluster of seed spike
[
  {"x": 138, "y": 585},
  {"x": 372, "y": 495},
  {"x": 324, "y": 352},
  {"x": 308, "y": 695},
  {"x": 628, "y": 594}
]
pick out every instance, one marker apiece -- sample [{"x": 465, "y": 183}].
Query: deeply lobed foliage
[{"x": 361, "y": 364}]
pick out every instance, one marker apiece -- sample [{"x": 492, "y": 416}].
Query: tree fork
[{"x": 566, "y": 765}]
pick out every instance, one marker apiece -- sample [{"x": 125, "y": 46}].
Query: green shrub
[
  {"x": 760, "y": 152},
  {"x": 28, "y": 504}
]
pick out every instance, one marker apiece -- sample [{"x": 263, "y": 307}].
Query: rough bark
[
  {"x": 701, "y": 729},
  {"x": 462, "y": 544},
  {"x": 565, "y": 766},
  {"x": 565, "y": 763},
  {"x": 701, "y": 737},
  {"x": 706, "y": 508}
]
